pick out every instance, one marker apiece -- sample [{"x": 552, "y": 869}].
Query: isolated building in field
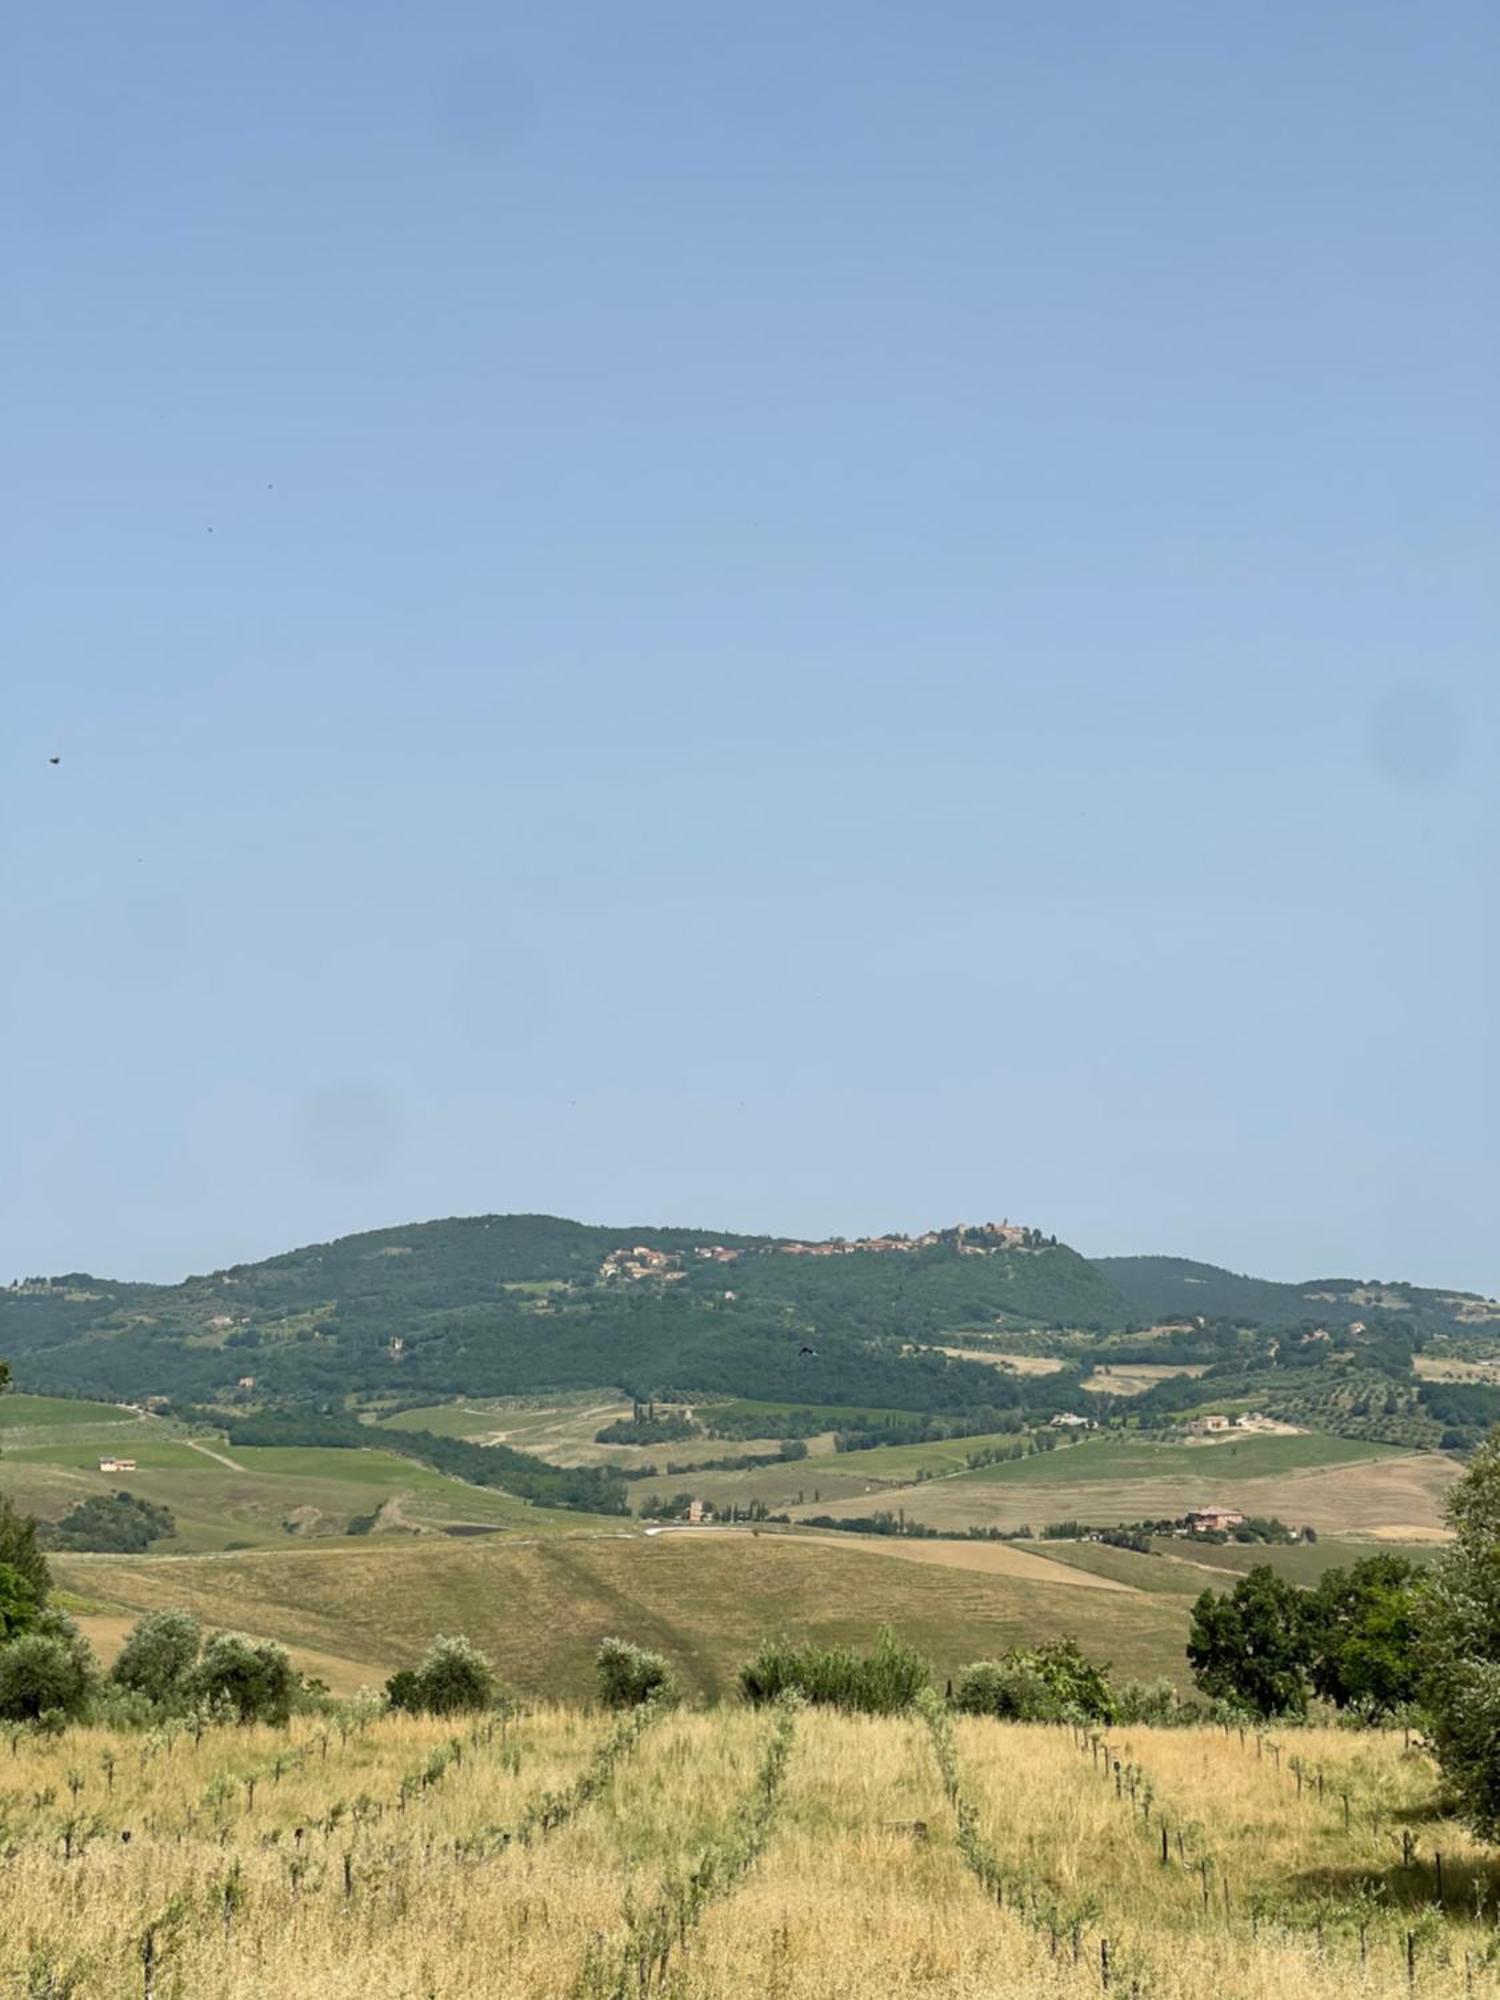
[
  {"x": 1214, "y": 1520},
  {"x": 117, "y": 1465}
]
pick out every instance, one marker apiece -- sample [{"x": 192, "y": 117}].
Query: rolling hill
[
  {"x": 540, "y": 1608},
  {"x": 506, "y": 1304},
  {"x": 497, "y": 1305},
  {"x": 1165, "y": 1288}
]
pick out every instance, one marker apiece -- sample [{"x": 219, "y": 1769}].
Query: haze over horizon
[{"x": 781, "y": 628}]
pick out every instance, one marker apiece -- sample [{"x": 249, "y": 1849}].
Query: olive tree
[
  {"x": 159, "y": 1656},
  {"x": 630, "y": 1674},
  {"x": 254, "y": 1680},
  {"x": 46, "y": 1672},
  {"x": 455, "y": 1678}
]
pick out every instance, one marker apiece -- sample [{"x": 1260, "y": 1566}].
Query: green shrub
[
  {"x": 1053, "y": 1682},
  {"x": 883, "y": 1682},
  {"x": 48, "y": 1672},
  {"x": 1156, "y": 1704},
  {"x": 21, "y": 1550},
  {"x": 247, "y": 1679},
  {"x": 110, "y": 1524},
  {"x": 158, "y": 1658},
  {"x": 629, "y": 1675},
  {"x": 454, "y": 1679},
  {"x": 1007, "y": 1689},
  {"x": 20, "y": 1607}
]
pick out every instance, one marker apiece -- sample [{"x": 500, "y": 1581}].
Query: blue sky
[{"x": 803, "y": 617}]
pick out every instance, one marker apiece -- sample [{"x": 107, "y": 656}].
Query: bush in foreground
[
  {"x": 158, "y": 1658},
  {"x": 454, "y": 1679},
  {"x": 630, "y": 1675},
  {"x": 48, "y": 1672},
  {"x": 882, "y": 1682},
  {"x": 1048, "y": 1683},
  {"x": 248, "y": 1679},
  {"x": 21, "y": 1549},
  {"x": 20, "y": 1606}
]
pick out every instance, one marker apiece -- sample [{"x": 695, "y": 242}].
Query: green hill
[
  {"x": 495, "y": 1305},
  {"x": 1163, "y": 1288},
  {"x": 506, "y": 1305}
]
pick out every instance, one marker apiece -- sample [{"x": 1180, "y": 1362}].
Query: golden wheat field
[{"x": 730, "y": 1853}]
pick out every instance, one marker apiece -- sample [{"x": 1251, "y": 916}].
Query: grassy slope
[
  {"x": 1187, "y": 1568},
  {"x": 247, "y": 1495},
  {"x": 1336, "y": 1485},
  {"x": 541, "y": 1608},
  {"x": 25, "y": 1413},
  {"x": 1250, "y": 1458}
]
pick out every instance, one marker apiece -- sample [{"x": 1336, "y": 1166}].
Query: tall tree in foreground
[
  {"x": 1461, "y": 1650},
  {"x": 1365, "y": 1623},
  {"x": 1252, "y": 1645}
]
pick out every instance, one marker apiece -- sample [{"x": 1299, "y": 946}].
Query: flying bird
[
  {"x": 54, "y": 760},
  {"x": 805, "y": 1349}
]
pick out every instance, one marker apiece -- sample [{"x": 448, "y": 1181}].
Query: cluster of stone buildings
[
  {"x": 635, "y": 1261},
  {"x": 642, "y": 1260},
  {"x": 971, "y": 1239},
  {"x": 639, "y": 1260}
]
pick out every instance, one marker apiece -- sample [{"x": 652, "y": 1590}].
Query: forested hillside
[
  {"x": 1162, "y": 1288},
  {"x": 492, "y": 1305},
  {"x": 498, "y": 1304}
]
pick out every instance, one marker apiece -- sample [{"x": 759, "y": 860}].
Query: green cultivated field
[
  {"x": 23, "y": 1413},
  {"x": 1247, "y": 1458},
  {"x": 262, "y": 1496}
]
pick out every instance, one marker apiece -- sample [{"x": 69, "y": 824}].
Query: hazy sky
[{"x": 814, "y": 617}]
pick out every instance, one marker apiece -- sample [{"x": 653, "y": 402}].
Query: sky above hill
[{"x": 811, "y": 618}]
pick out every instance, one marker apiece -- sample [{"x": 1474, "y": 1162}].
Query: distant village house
[
  {"x": 117, "y": 1465},
  {"x": 1214, "y": 1520}
]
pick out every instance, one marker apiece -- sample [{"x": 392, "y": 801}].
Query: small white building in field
[{"x": 117, "y": 1465}]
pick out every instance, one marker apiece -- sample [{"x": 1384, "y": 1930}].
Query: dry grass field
[
  {"x": 731, "y": 1855},
  {"x": 354, "y": 1613},
  {"x": 1134, "y": 1378},
  {"x": 1398, "y": 1496}
]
